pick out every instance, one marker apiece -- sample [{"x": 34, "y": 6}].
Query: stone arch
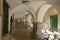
[
  {"x": 46, "y": 18},
  {"x": 29, "y": 18},
  {"x": 21, "y": 8},
  {"x": 42, "y": 12},
  {"x": 29, "y": 21},
  {"x": 51, "y": 9}
]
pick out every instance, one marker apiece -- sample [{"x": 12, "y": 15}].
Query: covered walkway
[
  {"x": 29, "y": 20},
  {"x": 22, "y": 33}
]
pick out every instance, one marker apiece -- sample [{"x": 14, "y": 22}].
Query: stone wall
[{"x": 39, "y": 29}]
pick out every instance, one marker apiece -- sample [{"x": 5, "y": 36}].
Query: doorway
[{"x": 54, "y": 22}]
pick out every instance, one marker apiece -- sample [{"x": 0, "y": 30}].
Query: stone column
[
  {"x": 34, "y": 29},
  {"x": 39, "y": 29},
  {"x": 13, "y": 23}
]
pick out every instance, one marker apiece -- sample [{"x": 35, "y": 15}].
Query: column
[
  {"x": 13, "y": 22},
  {"x": 39, "y": 29},
  {"x": 34, "y": 29}
]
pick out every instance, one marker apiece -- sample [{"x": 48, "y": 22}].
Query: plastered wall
[{"x": 50, "y": 12}]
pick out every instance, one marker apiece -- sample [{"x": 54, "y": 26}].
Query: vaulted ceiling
[{"x": 16, "y": 3}]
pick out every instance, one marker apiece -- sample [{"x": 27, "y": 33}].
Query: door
[{"x": 54, "y": 22}]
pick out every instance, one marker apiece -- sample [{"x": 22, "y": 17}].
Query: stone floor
[{"x": 21, "y": 33}]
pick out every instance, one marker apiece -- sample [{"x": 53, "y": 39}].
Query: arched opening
[
  {"x": 40, "y": 16},
  {"x": 51, "y": 19},
  {"x": 29, "y": 21},
  {"x": 27, "y": 10},
  {"x": 43, "y": 17},
  {"x": 42, "y": 11},
  {"x": 25, "y": 7}
]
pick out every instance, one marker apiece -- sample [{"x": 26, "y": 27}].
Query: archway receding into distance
[{"x": 21, "y": 8}]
